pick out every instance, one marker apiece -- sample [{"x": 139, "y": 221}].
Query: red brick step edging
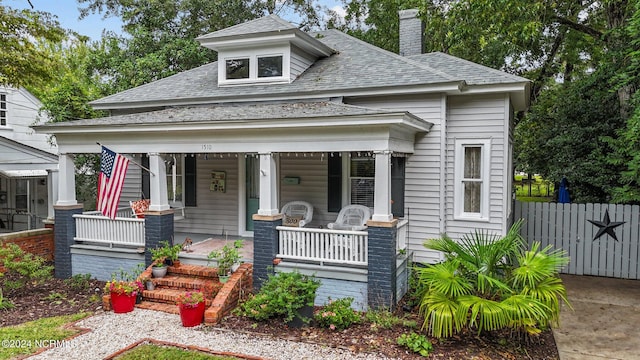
[{"x": 188, "y": 277}]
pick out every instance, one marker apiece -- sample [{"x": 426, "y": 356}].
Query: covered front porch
[{"x": 303, "y": 137}]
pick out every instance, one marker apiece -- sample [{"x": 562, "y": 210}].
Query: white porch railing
[
  {"x": 402, "y": 235},
  {"x": 94, "y": 227},
  {"x": 323, "y": 245}
]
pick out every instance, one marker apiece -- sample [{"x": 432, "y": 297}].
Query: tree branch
[{"x": 579, "y": 27}]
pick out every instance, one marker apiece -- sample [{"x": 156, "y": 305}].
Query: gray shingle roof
[
  {"x": 472, "y": 73},
  {"x": 229, "y": 112},
  {"x": 263, "y": 24},
  {"x": 357, "y": 65}
]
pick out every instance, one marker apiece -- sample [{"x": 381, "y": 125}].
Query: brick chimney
[{"x": 411, "y": 33}]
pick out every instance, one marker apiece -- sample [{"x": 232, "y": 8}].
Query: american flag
[{"x": 113, "y": 168}]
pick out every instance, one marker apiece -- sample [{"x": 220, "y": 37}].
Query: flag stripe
[{"x": 113, "y": 169}]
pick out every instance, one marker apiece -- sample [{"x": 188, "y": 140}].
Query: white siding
[
  {"x": 312, "y": 171},
  {"x": 478, "y": 117},
  {"x": 216, "y": 212},
  {"x": 300, "y": 61},
  {"x": 22, "y": 111},
  {"x": 422, "y": 177},
  {"x": 132, "y": 187}
]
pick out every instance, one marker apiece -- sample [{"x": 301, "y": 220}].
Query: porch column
[
  {"x": 158, "y": 220},
  {"x": 158, "y": 183},
  {"x": 382, "y": 197},
  {"x": 52, "y": 191},
  {"x": 268, "y": 185},
  {"x": 67, "y": 181}
]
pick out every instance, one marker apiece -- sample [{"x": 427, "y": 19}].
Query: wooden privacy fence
[{"x": 591, "y": 248}]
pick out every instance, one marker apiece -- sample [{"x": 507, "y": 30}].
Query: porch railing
[
  {"x": 125, "y": 231},
  {"x": 402, "y": 235},
  {"x": 323, "y": 245}
]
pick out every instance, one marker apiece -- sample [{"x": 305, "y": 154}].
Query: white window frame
[
  {"x": 485, "y": 173},
  {"x": 4, "y": 119},
  {"x": 253, "y": 55}
]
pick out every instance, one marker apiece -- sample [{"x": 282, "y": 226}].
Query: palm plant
[{"x": 488, "y": 282}]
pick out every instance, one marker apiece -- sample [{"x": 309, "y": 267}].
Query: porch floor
[{"x": 203, "y": 244}]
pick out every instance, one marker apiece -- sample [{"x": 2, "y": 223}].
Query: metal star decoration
[{"x": 606, "y": 226}]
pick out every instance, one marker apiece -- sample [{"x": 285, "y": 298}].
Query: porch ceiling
[{"x": 266, "y": 127}]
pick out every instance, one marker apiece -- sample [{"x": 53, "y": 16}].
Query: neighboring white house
[
  {"x": 27, "y": 160},
  {"x": 425, "y": 140}
]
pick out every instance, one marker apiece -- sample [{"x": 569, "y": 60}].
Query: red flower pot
[
  {"x": 122, "y": 303},
  {"x": 191, "y": 316}
]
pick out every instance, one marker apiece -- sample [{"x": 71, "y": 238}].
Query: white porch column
[
  {"x": 52, "y": 191},
  {"x": 268, "y": 185},
  {"x": 158, "y": 183},
  {"x": 382, "y": 197},
  {"x": 67, "y": 181}
]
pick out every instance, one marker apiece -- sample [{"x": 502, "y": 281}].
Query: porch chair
[
  {"x": 297, "y": 213},
  {"x": 351, "y": 217},
  {"x": 139, "y": 207}
]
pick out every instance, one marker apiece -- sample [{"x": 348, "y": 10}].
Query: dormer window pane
[
  {"x": 237, "y": 69},
  {"x": 269, "y": 66}
]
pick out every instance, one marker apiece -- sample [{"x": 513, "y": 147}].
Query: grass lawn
[
  {"x": 149, "y": 351},
  {"x": 28, "y": 337}
]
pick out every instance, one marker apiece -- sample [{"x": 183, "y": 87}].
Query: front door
[{"x": 252, "y": 189}]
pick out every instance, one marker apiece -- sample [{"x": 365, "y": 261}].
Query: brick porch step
[
  {"x": 185, "y": 282},
  {"x": 167, "y": 296},
  {"x": 194, "y": 270},
  {"x": 168, "y": 308}
]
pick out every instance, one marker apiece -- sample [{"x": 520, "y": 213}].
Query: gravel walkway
[{"x": 111, "y": 332}]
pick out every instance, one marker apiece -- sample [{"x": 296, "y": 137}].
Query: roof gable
[{"x": 269, "y": 23}]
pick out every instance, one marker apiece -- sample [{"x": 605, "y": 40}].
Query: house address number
[{"x": 207, "y": 147}]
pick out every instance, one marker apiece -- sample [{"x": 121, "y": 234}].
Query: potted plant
[
  {"x": 226, "y": 258},
  {"x": 149, "y": 284},
  {"x": 123, "y": 294},
  {"x": 162, "y": 256},
  {"x": 191, "y": 305}
]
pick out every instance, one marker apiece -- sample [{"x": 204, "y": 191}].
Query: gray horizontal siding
[
  {"x": 422, "y": 176},
  {"x": 478, "y": 117}
]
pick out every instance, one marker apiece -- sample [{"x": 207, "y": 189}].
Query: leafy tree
[
  {"x": 489, "y": 283},
  {"x": 160, "y": 36},
  {"x": 565, "y": 135},
  {"x": 21, "y": 62}
]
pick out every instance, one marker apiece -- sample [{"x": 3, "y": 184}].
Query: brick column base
[
  {"x": 381, "y": 277},
  {"x": 265, "y": 246},
  {"x": 64, "y": 232},
  {"x": 158, "y": 227}
]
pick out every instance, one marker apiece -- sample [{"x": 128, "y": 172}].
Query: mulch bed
[
  {"x": 53, "y": 297},
  {"x": 369, "y": 338},
  {"x": 56, "y": 297}
]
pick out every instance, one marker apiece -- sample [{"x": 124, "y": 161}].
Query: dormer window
[
  {"x": 237, "y": 69},
  {"x": 269, "y": 66},
  {"x": 255, "y": 66}
]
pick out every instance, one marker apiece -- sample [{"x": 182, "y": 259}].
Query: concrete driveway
[{"x": 604, "y": 322}]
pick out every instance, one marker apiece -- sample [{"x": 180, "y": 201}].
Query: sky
[
  {"x": 93, "y": 25},
  {"x": 67, "y": 13}
]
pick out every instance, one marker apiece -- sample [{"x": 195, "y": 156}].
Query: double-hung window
[
  {"x": 472, "y": 179},
  {"x": 3, "y": 109}
]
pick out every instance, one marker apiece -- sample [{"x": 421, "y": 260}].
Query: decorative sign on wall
[{"x": 218, "y": 179}]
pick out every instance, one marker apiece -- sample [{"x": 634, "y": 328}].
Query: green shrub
[
  {"x": 489, "y": 282},
  {"x": 78, "y": 282},
  {"x": 5, "y": 304},
  {"x": 27, "y": 266},
  {"x": 282, "y": 295},
  {"x": 387, "y": 320},
  {"x": 416, "y": 343},
  {"x": 337, "y": 314}
]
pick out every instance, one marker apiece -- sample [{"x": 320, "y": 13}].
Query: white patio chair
[
  {"x": 300, "y": 211},
  {"x": 351, "y": 217}
]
